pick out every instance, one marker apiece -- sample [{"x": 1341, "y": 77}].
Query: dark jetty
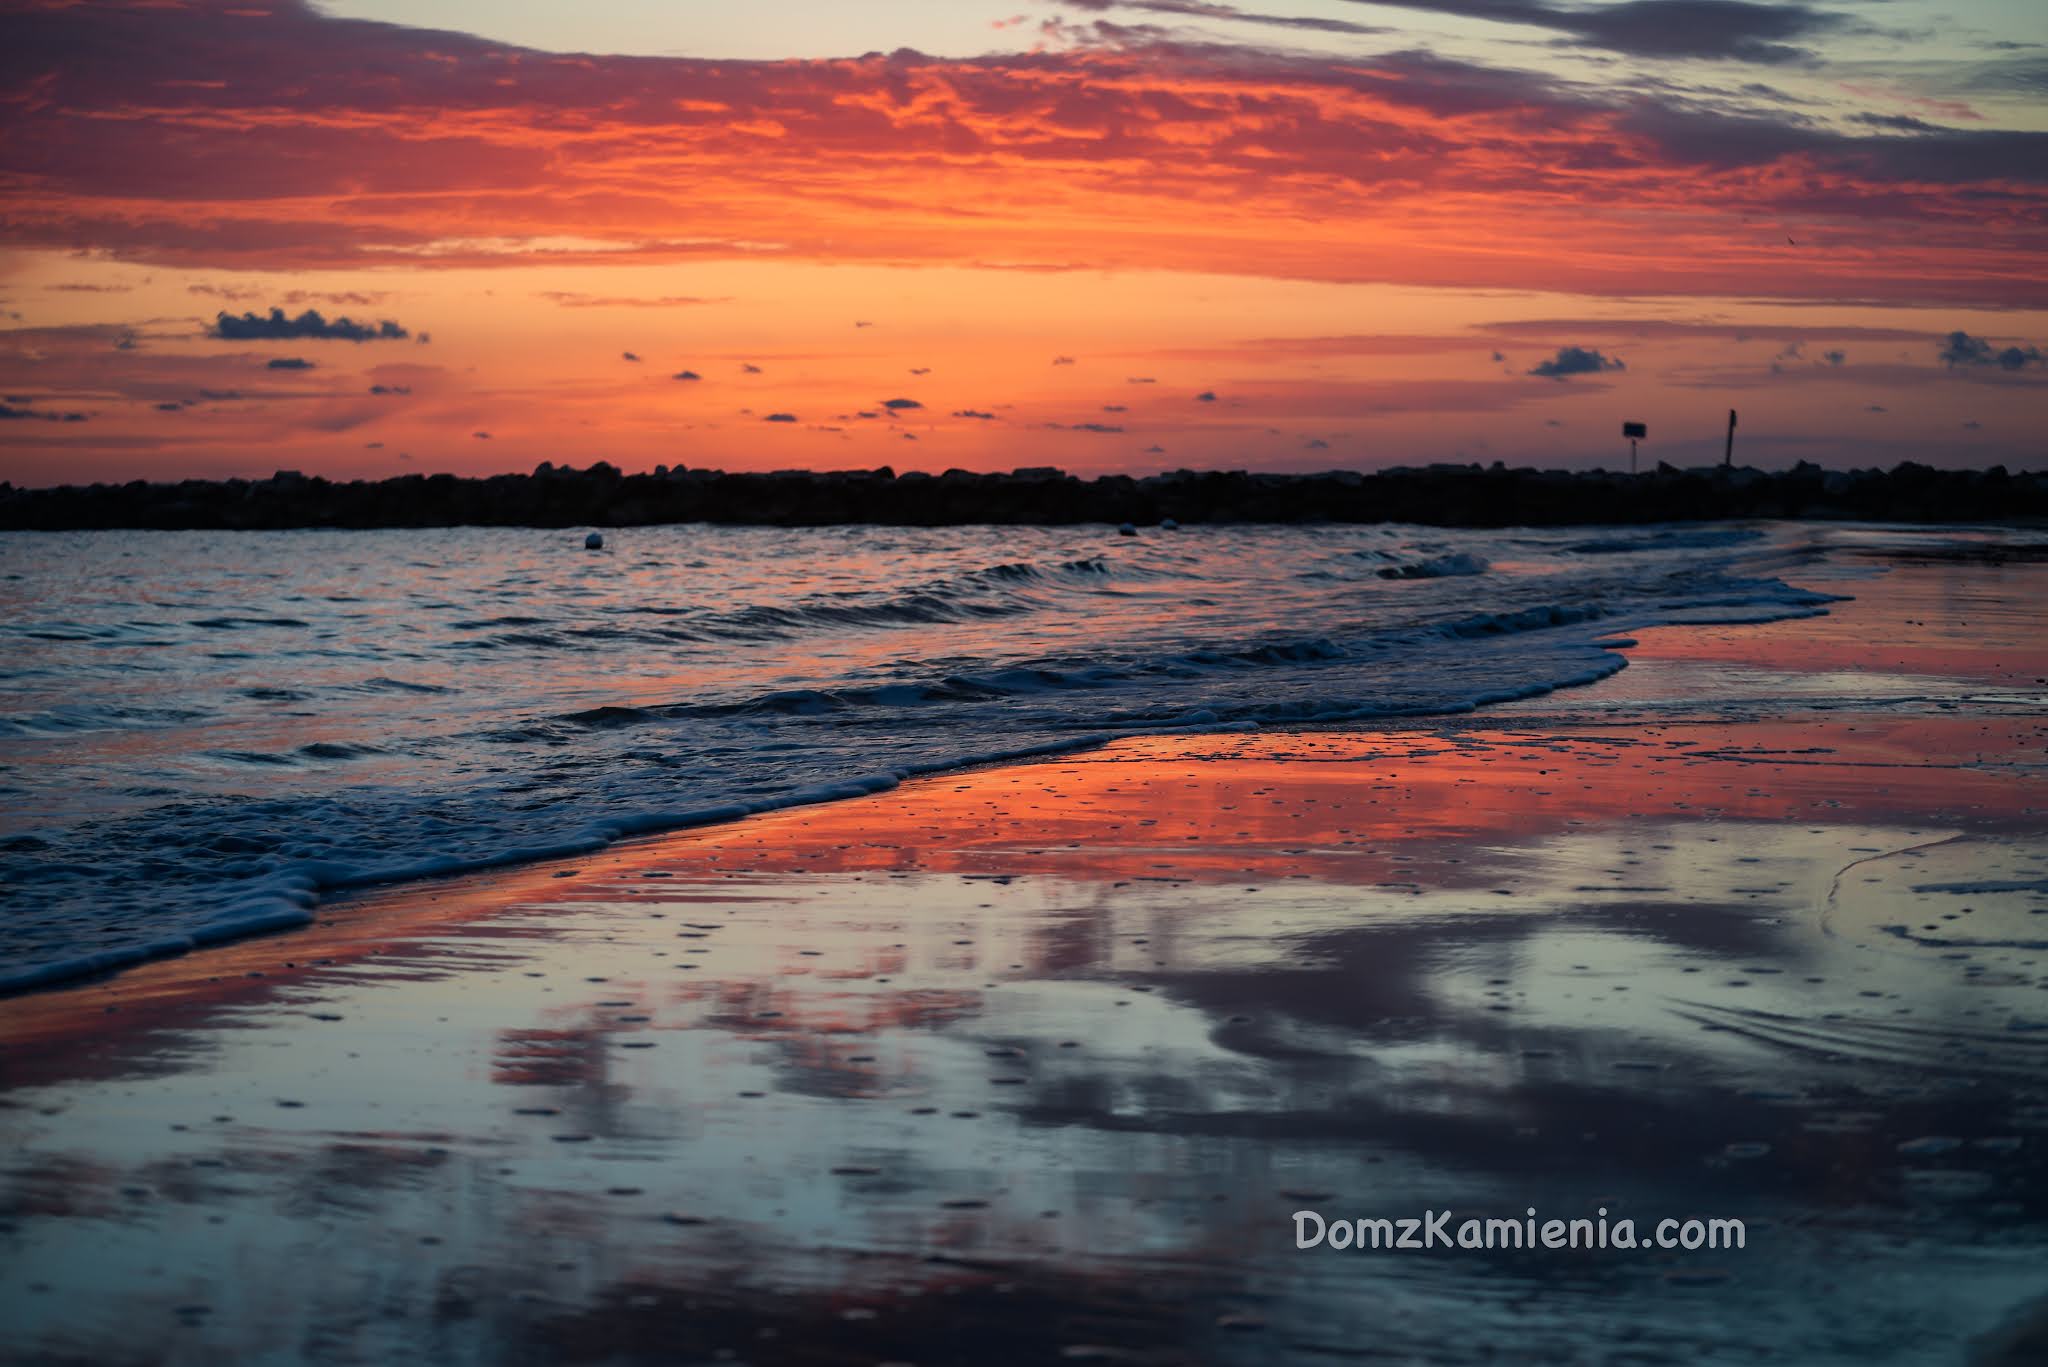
[{"x": 1439, "y": 495}]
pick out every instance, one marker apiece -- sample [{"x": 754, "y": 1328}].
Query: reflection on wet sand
[{"x": 1035, "y": 1064}]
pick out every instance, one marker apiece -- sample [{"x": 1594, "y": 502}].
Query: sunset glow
[{"x": 1119, "y": 237}]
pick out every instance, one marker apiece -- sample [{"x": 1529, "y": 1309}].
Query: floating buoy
[
  {"x": 1126, "y": 530},
  {"x": 594, "y": 542}
]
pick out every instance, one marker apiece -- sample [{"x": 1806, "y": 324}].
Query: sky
[{"x": 366, "y": 238}]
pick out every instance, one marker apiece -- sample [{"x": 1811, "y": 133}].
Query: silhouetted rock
[{"x": 1441, "y": 495}]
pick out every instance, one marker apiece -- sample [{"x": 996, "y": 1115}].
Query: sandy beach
[{"x": 1037, "y": 1063}]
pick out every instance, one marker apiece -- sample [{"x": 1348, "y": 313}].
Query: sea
[{"x": 205, "y": 735}]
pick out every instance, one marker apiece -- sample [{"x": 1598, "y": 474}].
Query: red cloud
[{"x": 203, "y": 134}]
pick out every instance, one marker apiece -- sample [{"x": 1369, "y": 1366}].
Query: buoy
[
  {"x": 1167, "y": 524},
  {"x": 594, "y": 542},
  {"x": 1126, "y": 530}
]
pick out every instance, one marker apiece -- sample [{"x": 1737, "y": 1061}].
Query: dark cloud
[
  {"x": 289, "y": 363},
  {"x": 1898, "y": 123},
  {"x": 629, "y": 356},
  {"x": 481, "y": 436},
  {"x": 971, "y": 413},
  {"x": 1206, "y": 396},
  {"x": 780, "y": 417},
  {"x": 1141, "y": 379},
  {"x": 1084, "y": 427},
  {"x": 920, "y": 370},
  {"x": 391, "y": 389},
  {"x": 1573, "y": 360},
  {"x": 750, "y": 369},
  {"x": 1718, "y": 30},
  {"x": 687, "y": 375},
  {"x": 308, "y": 326},
  {"x": 1961, "y": 349},
  {"x": 1206, "y": 9},
  {"x": 900, "y": 405},
  {"x": 1062, "y": 360},
  {"x": 8, "y": 412},
  {"x": 1834, "y": 357}
]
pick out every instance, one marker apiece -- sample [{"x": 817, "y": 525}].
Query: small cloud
[
  {"x": 288, "y": 363},
  {"x": 900, "y": 405},
  {"x": 1835, "y": 357},
  {"x": 170, "y": 406},
  {"x": 1553, "y": 422},
  {"x": 570, "y": 299},
  {"x": 687, "y": 375},
  {"x": 1083, "y": 427},
  {"x": 1206, "y": 396},
  {"x": 391, "y": 389},
  {"x": 373, "y": 446},
  {"x": 1316, "y": 444},
  {"x": 310, "y": 325},
  {"x": 8, "y": 412},
  {"x": 1062, "y": 360},
  {"x": 920, "y": 370},
  {"x": 1140, "y": 379},
  {"x": 862, "y": 323},
  {"x": 1961, "y": 349},
  {"x": 1971, "y": 424},
  {"x": 1115, "y": 408},
  {"x": 629, "y": 356},
  {"x": 1572, "y": 360},
  {"x": 780, "y": 417},
  {"x": 970, "y": 413},
  {"x": 1875, "y": 408},
  {"x": 1155, "y": 450},
  {"x": 750, "y": 369},
  {"x": 481, "y": 436},
  {"x": 1498, "y": 358}
]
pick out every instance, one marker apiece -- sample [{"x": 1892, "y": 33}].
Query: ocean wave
[{"x": 569, "y": 701}]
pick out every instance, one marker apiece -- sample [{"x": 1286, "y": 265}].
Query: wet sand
[{"x": 1035, "y": 1064}]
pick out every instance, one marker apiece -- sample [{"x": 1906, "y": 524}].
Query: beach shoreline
[{"x": 1036, "y": 1062}]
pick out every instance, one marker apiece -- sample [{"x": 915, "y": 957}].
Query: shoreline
[
  {"x": 288, "y": 899},
  {"x": 291, "y": 900},
  {"x": 1468, "y": 496}
]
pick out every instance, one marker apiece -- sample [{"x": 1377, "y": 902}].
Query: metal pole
[{"x": 1728, "y": 453}]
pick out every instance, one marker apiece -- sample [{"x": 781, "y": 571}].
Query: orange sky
[{"x": 1362, "y": 259}]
